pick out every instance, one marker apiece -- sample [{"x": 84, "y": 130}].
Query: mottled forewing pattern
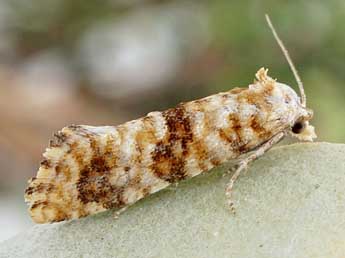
[{"x": 91, "y": 169}]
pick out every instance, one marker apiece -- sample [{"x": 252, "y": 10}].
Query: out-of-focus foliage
[{"x": 105, "y": 62}]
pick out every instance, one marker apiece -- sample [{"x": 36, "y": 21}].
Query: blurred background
[{"x": 105, "y": 62}]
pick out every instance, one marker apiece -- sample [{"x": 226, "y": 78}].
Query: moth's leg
[{"x": 244, "y": 163}]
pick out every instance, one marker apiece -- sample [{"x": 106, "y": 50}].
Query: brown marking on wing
[
  {"x": 39, "y": 188},
  {"x": 94, "y": 145},
  {"x": 116, "y": 200},
  {"x": 200, "y": 150},
  {"x": 258, "y": 128},
  {"x": 58, "y": 168},
  {"x": 76, "y": 148},
  {"x": 251, "y": 98},
  {"x": 29, "y": 190},
  {"x": 74, "y": 127},
  {"x": 45, "y": 204},
  {"x": 178, "y": 123},
  {"x": 179, "y": 130},
  {"x": 94, "y": 185},
  {"x": 199, "y": 146},
  {"x": 62, "y": 168},
  {"x": 93, "y": 180},
  {"x": 144, "y": 137},
  {"x": 162, "y": 157},
  {"x": 45, "y": 163},
  {"x": 77, "y": 153},
  {"x": 236, "y": 129},
  {"x": 260, "y": 100},
  {"x": 88, "y": 177},
  {"x": 39, "y": 203},
  {"x": 135, "y": 181},
  {"x": 224, "y": 136},
  {"x": 170, "y": 154},
  {"x": 110, "y": 153},
  {"x": 58, "y": 140}
]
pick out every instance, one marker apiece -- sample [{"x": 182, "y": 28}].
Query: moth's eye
[{"x": 298, "y": 127}]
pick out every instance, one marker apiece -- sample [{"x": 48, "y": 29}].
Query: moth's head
[
  {"x": 301, "y": 129},
  {"x": 289, "y": 107}
]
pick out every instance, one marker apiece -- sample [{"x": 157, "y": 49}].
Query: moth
[{"x": 89, "y": 169}]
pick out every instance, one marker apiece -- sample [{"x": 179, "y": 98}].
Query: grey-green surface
[{"x": 290, "y": 203}]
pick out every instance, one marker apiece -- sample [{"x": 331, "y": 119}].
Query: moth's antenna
[{"x": 288, "y": 59}]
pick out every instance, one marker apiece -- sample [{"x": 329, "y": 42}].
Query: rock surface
[{"x": 290, "y": 203}]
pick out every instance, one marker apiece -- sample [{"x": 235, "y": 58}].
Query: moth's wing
[{"x": 71, "y": 163}]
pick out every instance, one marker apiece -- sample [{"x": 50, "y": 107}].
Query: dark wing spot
[
  {"x": 169, "y": 161},
  {"x": 94, "y": 185},
  {"x": 29, "y": 190},
  {"x": 40, "y": 188},
  {"x": 256, "y": 126},
  {"x": 45, "y": 163},
  {"x": 224, "y": 136},
  {"x": 238, "y": 144},
  {"x": 236, "y": 126},
  {"x": 59, "y": 139},
  {"x": 39, "y": 203}
]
